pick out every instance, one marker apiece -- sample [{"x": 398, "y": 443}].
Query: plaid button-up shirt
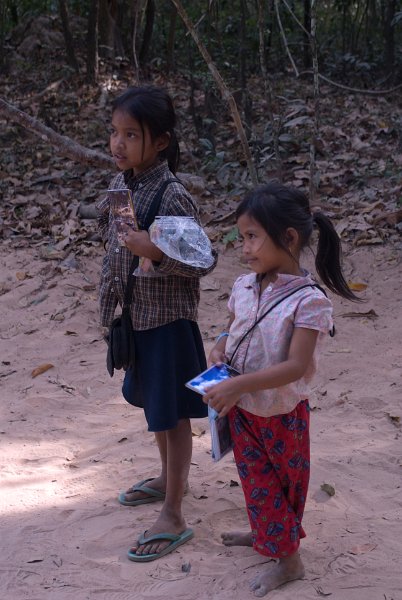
[{"x": 157, "y": 300}]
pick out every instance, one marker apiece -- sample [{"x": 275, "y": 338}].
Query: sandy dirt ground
[{"x": 69, "y": 443}]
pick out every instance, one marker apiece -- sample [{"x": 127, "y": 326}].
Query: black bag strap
[
  {"x": 302, "y": 287},
  {"x": 149, "y": 219}
]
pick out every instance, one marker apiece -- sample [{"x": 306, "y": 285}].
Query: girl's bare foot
[
  {"x": 285, "y": 570},
  {"x": 237, "y": 538}
]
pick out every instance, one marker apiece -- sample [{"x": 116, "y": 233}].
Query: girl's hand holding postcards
[
  {"x": 223, "y": 396},
  {"x": 217, "y": 356},
  {"x": 206, "y": 383}
]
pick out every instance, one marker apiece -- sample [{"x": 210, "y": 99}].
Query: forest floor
[
  {"x": 69, "y": 443},
  {"x": 68, "y": 440}
]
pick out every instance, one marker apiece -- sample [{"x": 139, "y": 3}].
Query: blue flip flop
[
  {"x": 175, "y": 542},
  {"x": 152, "y": 495}
]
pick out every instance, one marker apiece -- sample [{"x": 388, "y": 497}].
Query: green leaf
[{"x": 231, "y": 237}]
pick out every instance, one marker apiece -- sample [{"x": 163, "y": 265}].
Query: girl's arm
[
  {"x": 217, "y": 354},
  {"x": 223, "y": 396},
  {"x": 139, "y": 243}
]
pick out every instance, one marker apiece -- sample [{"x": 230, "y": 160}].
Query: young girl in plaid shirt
[
  {"x": 168, "y": 345},
  {"x": 267, "y": 403}
]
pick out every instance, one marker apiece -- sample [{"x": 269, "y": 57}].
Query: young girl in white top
[{"x": 267, "y": 403}]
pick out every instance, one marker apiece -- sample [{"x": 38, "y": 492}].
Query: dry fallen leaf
[
  {"x": 370, "y": 314},
  {"x": 390, "y": 218},
  {"x": 208, "y": 283},
  {"x": 321, "y": 592},
  {"x": 364, "y": 240},
  {"x": 186, "y": 567},
  {"x": 35, "y": 560},
  {"x": 394, "y": 418},
  {"x": 362, "y": 548},
  {"x": 41, "y": 369},
  {"x": 357, "y": 287},
  {"x": 21, "y": 275},
  {"x": 197, "y": 430},
  {"x": 48, "y": 253},
  {"x": 340, "y": 351},
  {"x": 328, "y": 488}
]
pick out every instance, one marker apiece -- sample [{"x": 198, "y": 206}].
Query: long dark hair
[
  {"x": 152, "y": 107},
  {"x": 277, "y": 207}
]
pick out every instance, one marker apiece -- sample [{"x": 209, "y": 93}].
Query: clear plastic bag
[{"x": 182, "y": 239}]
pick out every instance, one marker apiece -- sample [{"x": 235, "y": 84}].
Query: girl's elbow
[
  {"x": 299, "y": 371},
  {"x": 294, "y": 370}
]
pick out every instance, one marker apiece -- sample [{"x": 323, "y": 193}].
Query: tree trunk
[
  {"x": 245, "y": 97},
  {"x": 306, "y": 36},
  {"x": 171, "y": 36},
  {"x": 269, "y": 96},
  {"x": 106, "y": 25},
  {"x": 92, "y": 42},
  {"x": 137, "y": 6},
  {"x": 147, "y": 35},
  {"x": 389, "y": 55},
  {"x": 119, "y": 11},
  {"x": 68, "y": 37},
  {"x": 3, "y": 16},
  {"x": 316, "y": 123}
]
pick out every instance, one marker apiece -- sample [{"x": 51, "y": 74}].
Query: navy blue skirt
[{"x": 166, "y": 358}]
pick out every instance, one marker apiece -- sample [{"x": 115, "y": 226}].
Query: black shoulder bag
[
  {"x": 331, "y": 333},
  {"x": 120, "y": 338}
]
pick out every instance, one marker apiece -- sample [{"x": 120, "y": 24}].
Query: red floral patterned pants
[{"x": 273, "y": 459}]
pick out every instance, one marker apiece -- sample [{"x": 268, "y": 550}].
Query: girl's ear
[
  {"x": 292, "y": 238},
  {"x": 163, "y": 141}
]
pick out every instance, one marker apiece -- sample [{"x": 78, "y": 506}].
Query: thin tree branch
[
  {"x": 330, "y": 81},
  {"x": 284, "y": 39},
  {"x": 295, "y": 18},
  {"x": 66, "y": 146},
  {"x": 355, "y": 90},
  {"x": 226, "y": 94},
  {"x": 316, "y": 122},
  {"x": 137, "y": 8},
  {"x": 268, "y": 90}
]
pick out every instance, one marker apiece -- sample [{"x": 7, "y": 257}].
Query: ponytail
[
  {"x": 328, "y": 259},
  {"x": 172, "y": 153},
  {"x": 276, "y": 208}
]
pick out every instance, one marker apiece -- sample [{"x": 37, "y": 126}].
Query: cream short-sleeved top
[{"x": 268, "y": 343}]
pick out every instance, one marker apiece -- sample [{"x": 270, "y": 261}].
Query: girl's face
[
  {"x": 260, "y": 252},
  {"x": 132, "y": 147}
]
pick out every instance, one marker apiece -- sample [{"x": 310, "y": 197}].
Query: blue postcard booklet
[{"x": 221, "y": 440}]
